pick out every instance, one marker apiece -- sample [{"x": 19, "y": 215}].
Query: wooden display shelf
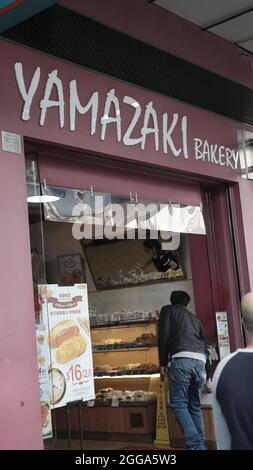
[
  {"x": 127, "y": 332},
  {"x": 131, "y": 420},
  {"x": 126, "y": 373},
  {"x": 148, "y": 355},
  {"x": 108, "y": 403},
  {"x": 141, "y": 348},
  {"x": 123, "y": 324},
  {"x": 148, "y": 383}
]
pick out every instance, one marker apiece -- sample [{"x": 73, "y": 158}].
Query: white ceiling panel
[
  {"x": 237, "y": 30},
  {"x": 205, "y": 12},
  {"x": 248, "y": 45}
]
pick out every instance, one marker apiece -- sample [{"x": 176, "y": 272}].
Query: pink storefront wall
[{"x": 20, "y": 421}]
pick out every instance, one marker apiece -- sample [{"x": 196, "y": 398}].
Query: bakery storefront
[{"x": 130, "y": 195}]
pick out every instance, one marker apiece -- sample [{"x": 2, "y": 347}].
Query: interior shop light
[
  {"x": 34, "y": 193},
  {"x": 36, "y": 196},
  {"x": 39, "y": 199}
]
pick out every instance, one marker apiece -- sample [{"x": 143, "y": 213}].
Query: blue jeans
[{"x": 186, "y": 379}]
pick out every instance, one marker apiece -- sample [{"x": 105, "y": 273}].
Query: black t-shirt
[
  {"x": 162, "y": 260},
  {"x": 233, "y": 390}
]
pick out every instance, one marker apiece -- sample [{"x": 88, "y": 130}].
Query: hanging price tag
[
  {"x": 90, "y": 403},
  {"x": 115, "y": 403}
]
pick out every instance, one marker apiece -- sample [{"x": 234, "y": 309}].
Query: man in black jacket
[{"x": 182, "y": 342}]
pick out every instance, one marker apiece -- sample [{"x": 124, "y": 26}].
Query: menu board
[
  {"x": 65, "y": 310},
  {"x": 223, "y": 334},
  {"x": 42, "y": 357}
]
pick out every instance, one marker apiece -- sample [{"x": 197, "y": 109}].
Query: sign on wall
[
  {"x": 223, "y": 334},
  {"x": 168, "y": 132},
  {"x": 65, "y": 310},
  {"x": 61, "y": 103},
  {"x": 11, "y": 142}
]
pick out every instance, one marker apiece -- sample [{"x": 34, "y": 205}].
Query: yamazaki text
[{"x": 162, "y": 129}]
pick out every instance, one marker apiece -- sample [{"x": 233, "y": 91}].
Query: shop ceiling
[{"x": 229, "y": 19}]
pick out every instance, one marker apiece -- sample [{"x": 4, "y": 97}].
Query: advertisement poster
[
  {"x": 42, "y": 357},
  {"x": 71, "y": 269},
  {"x": 65, "y": 310},
  {"x": 223, "y": 334}
]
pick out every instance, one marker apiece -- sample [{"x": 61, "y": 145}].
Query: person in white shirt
[{"x": 233, "y": 391}]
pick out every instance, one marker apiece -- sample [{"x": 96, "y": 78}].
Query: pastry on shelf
[
  {"x": 112, "y": 368},
  {"x": 108, "y": 343},
  {"x": 141, "y": 366},
  {"x": 125, "y": 396},
  {"x": 140, "y": 395},
  {"x": 128, "y": 396},
  {"x": 115, "y": 395},
  {"x": 152, "y": 367},
  {"x": 111, "y": 341},
  {"x": 105, "y": 390},
  {"x": 148, "y": 339},
  {"x": 103, "y": 368},
  {"x": 103, "y": 393},
  {"x": 131, "y": 366},
  {"x": 148, "y": 367}
]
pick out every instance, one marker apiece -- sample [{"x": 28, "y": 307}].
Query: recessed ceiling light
[{"x": 42, "y": 199}]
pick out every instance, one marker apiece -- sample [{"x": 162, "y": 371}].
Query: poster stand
[{"x": 78, "y": 404}]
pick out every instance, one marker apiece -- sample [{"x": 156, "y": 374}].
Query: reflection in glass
[{"x": 245, "y": 140}]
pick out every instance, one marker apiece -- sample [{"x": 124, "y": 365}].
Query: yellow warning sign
[
  {"x": 162, "y": 428},
  {"x": 161, "y": 417}
]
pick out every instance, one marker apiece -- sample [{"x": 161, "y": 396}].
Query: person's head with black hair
[
  {"x": 152, "y": 245},
  {"x": 180, "y": 297}
]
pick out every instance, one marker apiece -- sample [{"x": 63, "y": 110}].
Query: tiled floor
[{"x": 61, "y": 444}]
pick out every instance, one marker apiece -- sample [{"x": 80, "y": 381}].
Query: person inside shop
[
  {"x": 182, "y": 343},
  {"x": 162, "y": 259},
  {"x": 233, "y": 391}
]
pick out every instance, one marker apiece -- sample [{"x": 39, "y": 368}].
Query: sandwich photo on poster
[{"x": 65, "y": 311}]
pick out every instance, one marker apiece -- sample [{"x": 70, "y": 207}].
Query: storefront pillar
[
  {"x": 246, "y": 193},
  {"x": 19, "y": 403}
]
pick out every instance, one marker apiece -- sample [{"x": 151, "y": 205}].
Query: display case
[
  {"x": 126, "y": 369},
  {"x": 125, "y": 349},
  {"x": 126, "y": 366},
  {"x": 126, "y": 374}
]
